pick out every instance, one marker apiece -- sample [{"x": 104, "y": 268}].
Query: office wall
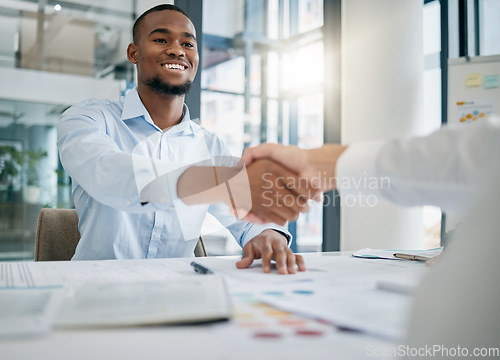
[
  {"x": 8, "y": 29},
  {"x": 143, "y": 5},
  {"x": 53, "y": 88},
  {"x": 55, "y": 49},
  {"x": 382, "y": 79}
]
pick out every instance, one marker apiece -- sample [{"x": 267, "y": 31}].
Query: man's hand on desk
[{"x": 271, "y": 245}]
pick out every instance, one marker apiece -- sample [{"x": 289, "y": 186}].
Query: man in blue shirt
[{"x": 110, "y": 147}]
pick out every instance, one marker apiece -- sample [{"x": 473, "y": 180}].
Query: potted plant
[
  {"x": 31, "y": 191},
  {"x": 11, "y": 161}
]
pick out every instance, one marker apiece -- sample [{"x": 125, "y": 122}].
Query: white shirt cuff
[{"x": 256, "y": 229}]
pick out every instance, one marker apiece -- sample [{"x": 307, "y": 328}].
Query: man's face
[{"x": 166, "y": 52}]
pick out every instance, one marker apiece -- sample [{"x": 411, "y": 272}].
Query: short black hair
[{"x": 161, "y": 7}]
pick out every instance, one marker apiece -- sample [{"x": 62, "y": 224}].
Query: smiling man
[
  {"x": 109, "y": 146},
  {"x": 166, "y": 55}
]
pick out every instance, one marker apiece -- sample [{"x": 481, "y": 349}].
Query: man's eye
[
  {"x": 188, "y": 45},
  {"x": 161, "y": 41}
]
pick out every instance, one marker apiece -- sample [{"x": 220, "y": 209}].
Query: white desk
[{"x": 244, "y": 337}]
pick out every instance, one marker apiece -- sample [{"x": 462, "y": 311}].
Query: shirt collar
[
  {"x": 134, "y": 108},
  {"x": 185, "y": 127}
]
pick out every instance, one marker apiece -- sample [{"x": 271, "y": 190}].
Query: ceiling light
[{"x": 57, "y": 7}]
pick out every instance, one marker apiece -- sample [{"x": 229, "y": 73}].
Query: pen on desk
[
  {"x": 200, "y": 269},
  {"x": 411, "y": 257}
]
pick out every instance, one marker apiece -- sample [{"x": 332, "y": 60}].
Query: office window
[
  {"x": 310, "y": 13},
  {"x": 272, "y": 121},
  {"x": 489, "y": 29},
  {"x": 278, "y": 99},
  {"x": 223, "y": 115},
  {"x": 225, "y": 77},
  {"x": 310, "y": 135}
]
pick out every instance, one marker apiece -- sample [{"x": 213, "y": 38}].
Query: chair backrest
[
  {"x": 199, "y": 250},
  {"x": 57, "y": 235}
]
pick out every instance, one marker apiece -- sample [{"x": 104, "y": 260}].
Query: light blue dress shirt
[{"x": 102, "y": 147}]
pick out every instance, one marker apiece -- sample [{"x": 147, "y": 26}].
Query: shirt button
[{"x": 156, "y": 236}]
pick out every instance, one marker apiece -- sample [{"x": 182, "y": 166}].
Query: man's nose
[{"x": 175, "y": 49}]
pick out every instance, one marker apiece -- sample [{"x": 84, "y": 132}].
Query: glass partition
[
  {"x": 74, "y": 39},
  {"x": 31, "y": 176}
]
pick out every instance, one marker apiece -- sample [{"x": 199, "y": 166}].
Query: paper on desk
[
  {"x": 182, "y": 300},
  {"x": 389, "y": 254},
  {"x": 28, "y": 312},
  {"x": 44, "y": 274},
  {"x": 26, "y": 275},
  {"x": 254, "y": 274},
  {"x": 379, "y": 313},
  {"x": 31, "y": 293},
  {"x": 341, "y": 291}
]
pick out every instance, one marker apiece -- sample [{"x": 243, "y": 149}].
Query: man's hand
[
  {"x": 310, "y": 172},
  {"x": 292, "y": 157},
  {"x": 271, "y": 245},
  {"x": 277, "y": 193},
  {"x": 316, "y": 165},
  {"x": 266, "y": 191}
]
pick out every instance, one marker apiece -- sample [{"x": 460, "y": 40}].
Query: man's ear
[{"x": 132, "y": 53}]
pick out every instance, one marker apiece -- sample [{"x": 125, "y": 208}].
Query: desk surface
[{"x": 256, "y": 331}]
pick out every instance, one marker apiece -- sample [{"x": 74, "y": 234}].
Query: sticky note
[
  {"x": 473, "y": 80},
  {"x": 490, "y": 81}
]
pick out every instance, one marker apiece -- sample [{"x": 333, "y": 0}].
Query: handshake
[{"x": 271, "y": 183}]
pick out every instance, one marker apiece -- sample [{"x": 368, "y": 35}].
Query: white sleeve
[
  {"x": 243, "y": 231},
  {"x": 443, "y": 169}
]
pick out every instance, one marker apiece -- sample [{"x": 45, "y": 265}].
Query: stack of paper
[
  {"x": 192, "y": 299},
  {"x": 32, "y": 305}
]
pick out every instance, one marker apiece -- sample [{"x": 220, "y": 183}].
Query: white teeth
[{"x": 175, "y": 66}]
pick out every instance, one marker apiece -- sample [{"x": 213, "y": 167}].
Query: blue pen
[{"x": 200, "y": 269}]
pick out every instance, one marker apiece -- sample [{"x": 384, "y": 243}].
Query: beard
[{"x": 163, "y": 88}]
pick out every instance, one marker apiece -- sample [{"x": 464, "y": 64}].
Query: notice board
[{"x": 473, "y": 88}]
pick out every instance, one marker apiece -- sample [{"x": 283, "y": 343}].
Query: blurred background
[{"x": 261, "y": 79}]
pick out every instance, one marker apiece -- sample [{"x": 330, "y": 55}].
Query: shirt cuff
[
  {"x": 356, "y": 172},
  {"x": 256, "y": 229}
]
